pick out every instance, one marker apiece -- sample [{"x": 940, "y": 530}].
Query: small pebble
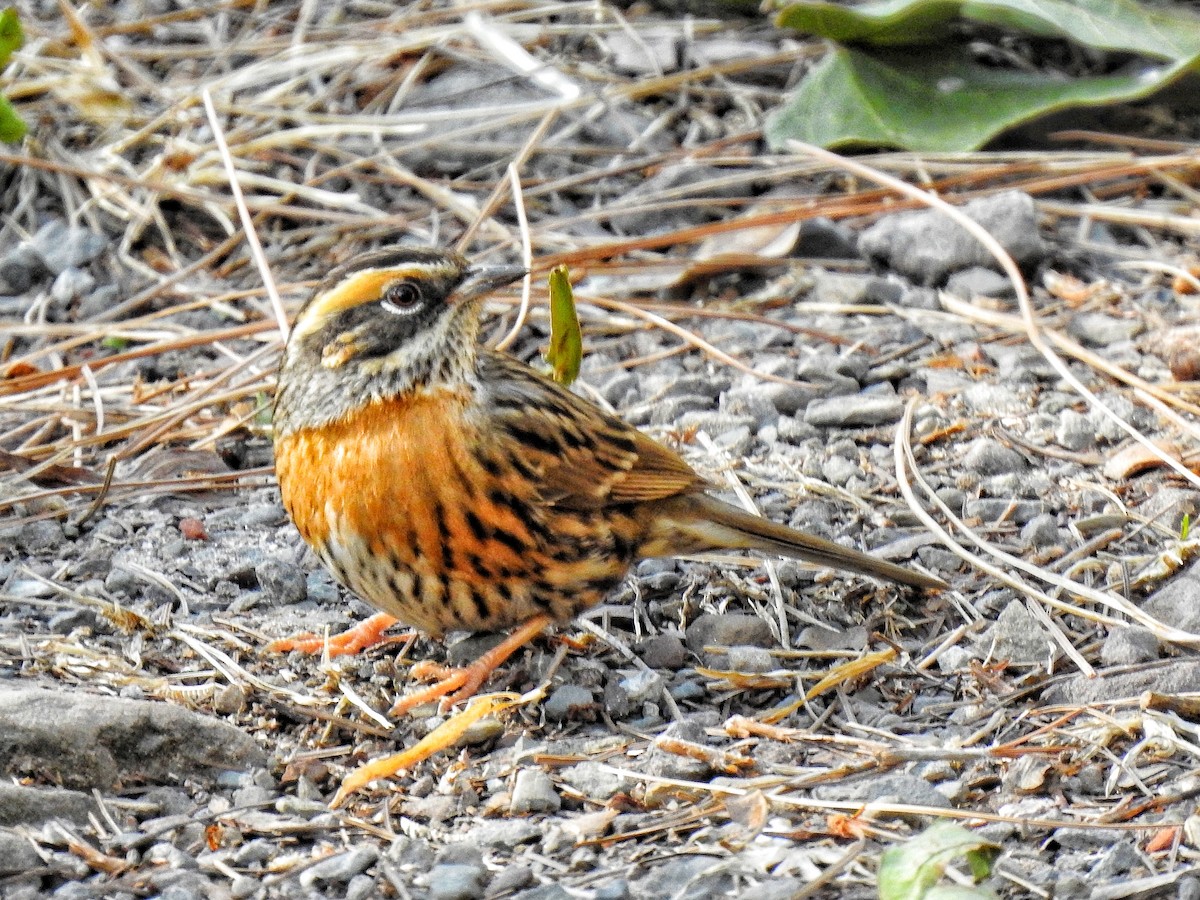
[
  {"x": 569, "y": 702},
  {"x": 534, "y": 792},
  {"x": 340, "y": 867},
  {"x": 728, "y": 630},
  {"x": 1129, "y": 645},
  {"x": 664, "y": 651},
  {"x": 990, "y": 457},
  {"x": 856, "y": 410},
  {"x": 1075, "y": 430},
  {"x": 456, "y": 882},
  {"x": 643, "y": 685},
  {"x": 283, "y": 584},
  {"x": 62, "y": 246},
  {"x": 41, "y": 536},
  {"x": 71, "y": 284}
]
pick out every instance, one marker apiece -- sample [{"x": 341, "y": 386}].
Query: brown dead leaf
[{"x": 1135, "y": 459}]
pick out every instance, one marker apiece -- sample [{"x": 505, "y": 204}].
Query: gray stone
[
  {"x": 1129, "y": 645},
  {"x": 1178, "y": 601},
  {"x": 533, "y": 792},
  {"x": 788, "y": 399},
  {"x": 979, "y": 282},
  {"x": 857, "y": 410},
  {"x": 728, "y": 630},
  {"x": 823, "y": 238},
  {"x": 20, "y": 267},
  {"x": 545, "y": 892},
  {"x": 1101, "y": 330},
  {"x": 750, "y": 403},
  {"x": 504, "y": 834},
  {"x": 617, "y": 889},
  {"x": 990, "y": 457},
  {"x": 1018, "y": 637},
  {"x": 1176, "y": 677},
  {"x": 1116, "y": 861},
  {"x": 17, "y": 853},
  {"x": 736, "y": 442},
  {"x": 88, "y": 740},
  {"x": 361, "y": 887},
  {"x": 616, "y": 701},
  {"x": 682, "y": 878},
  {"x": 70, "y": 285},
  {"x": 749, "y": 659},
  {"x": 643, "y": 685},
  {"x": 43, "y": 536},
  {"x": 61, "y": 246},
  {"x": 664, "y": 651},
  {"x": 1040, "y": 532},
  {"x": 838, "y": 470},
  {"x": 839, "y": 287},
  {"x": 509, "y": 879},
  {"x": 594, "y": 780},
  {"x": 341, "y": 867},
  {"x": 283, "y": 584},
  {"x": 570, "y": 702},
  {"x": 892, "y": 787},
  {"x": 25, "y": 805},
  {"x": 463, "y": 853},
  {"x": 1075, "y": 430},
  {"x": 456, "y": 882},
  {"x": 670, "y": 410},
  {"x": 927, "y": 245}
]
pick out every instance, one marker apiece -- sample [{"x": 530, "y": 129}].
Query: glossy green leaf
[
  {"x": 566, "y": 340},
  {"x": 1171, "y": 33},
  {"x": 932, "y": 96},
  {"x": 938, "y": 100},
  {"x": 910, "y": 871}
]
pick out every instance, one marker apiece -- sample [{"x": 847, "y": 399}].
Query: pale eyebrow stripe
[{"x": 353, "y": 290}]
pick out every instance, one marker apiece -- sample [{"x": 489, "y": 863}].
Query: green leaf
[
  {"x": 1171, "y": 33},
  {"x": 12, "y": 129},
  {"x": 937, "y": 100},
  {"x": 11, "y": 35},
  {"x": 910, "y": 871},
  {"x": 1185, "y": 527},
  {"x": 566, "y": 341},
  {"x": 114, "y": 343}
]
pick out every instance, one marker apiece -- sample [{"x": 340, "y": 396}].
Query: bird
[{"x": 453, "y": 487}]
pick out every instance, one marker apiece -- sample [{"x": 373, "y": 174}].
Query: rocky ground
[{"x": 686, "y": 746}]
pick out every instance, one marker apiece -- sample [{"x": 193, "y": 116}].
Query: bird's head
[{"x": 388, "y": 322}]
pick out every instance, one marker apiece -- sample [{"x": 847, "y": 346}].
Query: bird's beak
[{"x": 482, "y": 280}]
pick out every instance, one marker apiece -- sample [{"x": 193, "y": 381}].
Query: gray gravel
[{"x": 198, "y": 766}]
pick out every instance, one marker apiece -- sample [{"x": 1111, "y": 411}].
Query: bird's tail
[{"x": 697, "y": 522}]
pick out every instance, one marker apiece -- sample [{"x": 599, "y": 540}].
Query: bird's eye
[{"x": 402, "y": 298}]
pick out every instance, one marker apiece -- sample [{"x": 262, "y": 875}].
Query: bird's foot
[
  {"x": 456, "y": 685},
  {"x": 365, "y": 634}
]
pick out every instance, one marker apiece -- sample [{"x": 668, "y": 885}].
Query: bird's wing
[{"x": 583, "y": 457}]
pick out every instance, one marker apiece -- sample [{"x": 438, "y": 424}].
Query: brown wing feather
[{"x": 585, "y": 458}]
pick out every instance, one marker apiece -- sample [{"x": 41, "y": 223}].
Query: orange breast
[
  {"x": 388, "y": 497},
  {"x": 370, "y": 472}
]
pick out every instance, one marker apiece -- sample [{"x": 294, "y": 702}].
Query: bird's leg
[
  {"x": 456, "y": 685},
  {"x": 366, "y": 633}
]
